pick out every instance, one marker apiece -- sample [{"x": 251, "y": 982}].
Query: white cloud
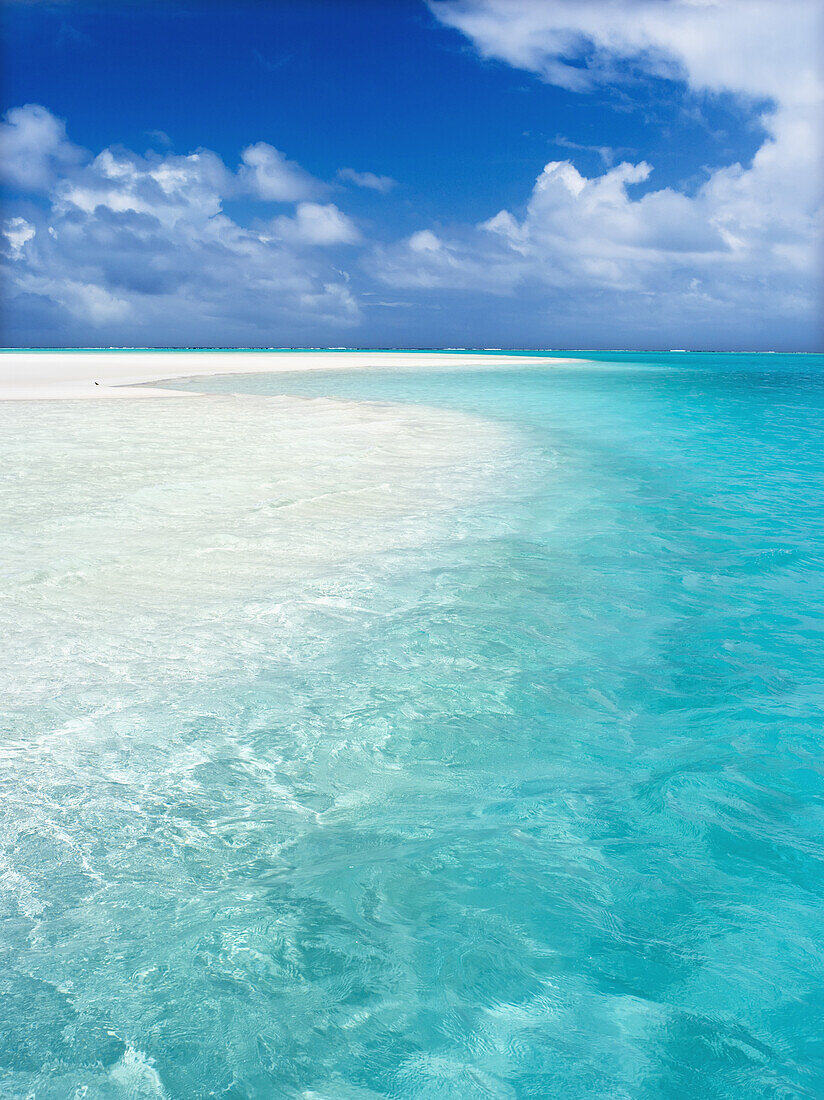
[
  {"x": 425, "y": 241},
  {"x": 85, "y": 301},
  {"x": 425, "y": 261},
  {"x": 267, "y": 174},
  {"x": 170, "y": 188},
  {"x": 33, "y": 148},
  {"x": 735, "y": 239},
  {"x": 758, "y": 48},
  {"x": 369, "y": 180},
  {"x": 597, "y": 218},
  {"x": 749, "y": 237},
  {"x": 317, "y": 224},
  {"x": 17, "y": 232},
  {"x": 141, "y": 247}
]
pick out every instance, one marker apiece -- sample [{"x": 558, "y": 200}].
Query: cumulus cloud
[
  {"x": 169, "y": 188},
  {"x": 317, "y": 224},
  {"x": 749, "y": 237},
  {"x": 735, "y": 243},
  {"x": 140, "y": 249},
  {"x": 34, "y": 148},
  {"x": 267, "y": 174},
  {"x": 369, "y": 180}
]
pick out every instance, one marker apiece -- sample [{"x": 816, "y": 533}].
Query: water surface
[{"x": 465, "y": 743}]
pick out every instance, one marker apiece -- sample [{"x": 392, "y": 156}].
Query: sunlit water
[{"x": 465, "y": 742}]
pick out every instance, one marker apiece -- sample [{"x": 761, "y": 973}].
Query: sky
[{"x": 394, "y": 173}]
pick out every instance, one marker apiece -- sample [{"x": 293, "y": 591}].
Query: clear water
[{"x": 462, "y": 743}]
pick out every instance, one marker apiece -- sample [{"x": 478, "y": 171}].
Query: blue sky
[{"x": 375, "y": 174}]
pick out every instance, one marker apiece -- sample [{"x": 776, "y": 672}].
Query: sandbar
[{"x": 95, "y": 374}]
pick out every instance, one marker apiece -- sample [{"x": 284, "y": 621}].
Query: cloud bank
[{"x": 132, "y": 249}]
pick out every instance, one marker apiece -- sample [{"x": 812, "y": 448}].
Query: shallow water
[{"x": 462, "y": 743}]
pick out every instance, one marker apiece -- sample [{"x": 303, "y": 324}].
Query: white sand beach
[{"x": 34, "y": 375}]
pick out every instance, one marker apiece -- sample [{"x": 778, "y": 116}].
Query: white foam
[{"x": 136, "y": 1077}]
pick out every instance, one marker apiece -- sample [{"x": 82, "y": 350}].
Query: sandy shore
[{"x": 34, "y": 375}]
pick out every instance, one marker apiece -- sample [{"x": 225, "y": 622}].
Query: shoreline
[{"x": 83, "y": 375}]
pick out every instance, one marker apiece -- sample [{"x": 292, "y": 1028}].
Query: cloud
[
  {"x": 167, "y": 187},
  {"x": 267, "y": 174},
  {"x": 736, "y": 243},
  {"x": 34, "y": 148},
  {"x": 139, "y": 249},
  {"x": 160, "y": 136},
  {"x": 426, "y": 261},
  {"x": 596, "y": 219},
  {"x": 746, "y": 244},
  {"x": 756, "y": 48},
  {"x": 605, "y": 152},
  {"x": 369, "y": 180},
  {"x": 425, "y": 241},
  {"x": 17, "y": 232},
  {"x": 317, "y": 224},
  {"x": 85, "y": 301}
]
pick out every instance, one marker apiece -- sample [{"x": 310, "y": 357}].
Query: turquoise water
[{"x": 468, "y": 746}]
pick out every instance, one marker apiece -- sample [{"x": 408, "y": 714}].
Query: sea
[{"x": 419, "y": 732}]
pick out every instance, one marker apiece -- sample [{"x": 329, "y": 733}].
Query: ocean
[{"x": 417, "y": 733}]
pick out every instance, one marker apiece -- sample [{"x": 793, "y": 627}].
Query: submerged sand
[{"x": 34, "y": 375}]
